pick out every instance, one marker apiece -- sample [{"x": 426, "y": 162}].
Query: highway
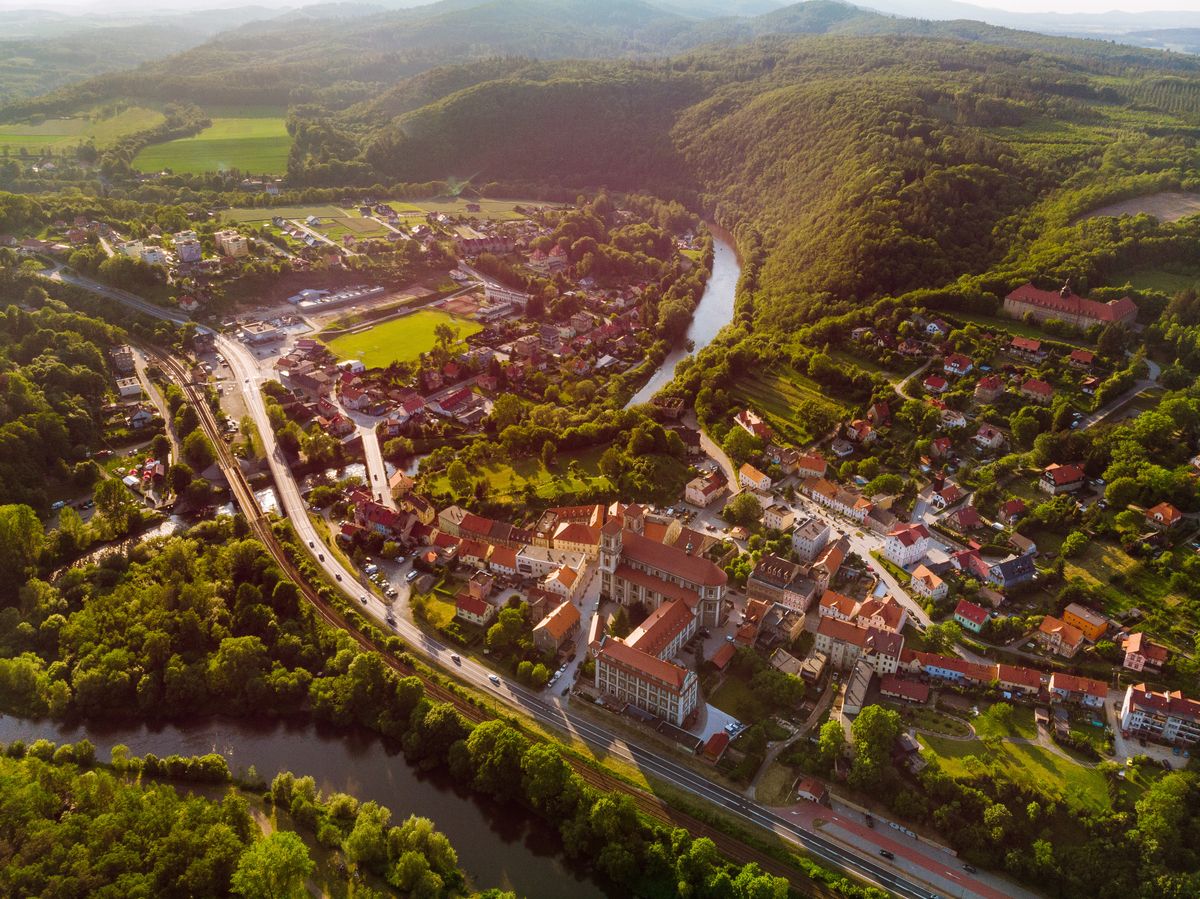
[{"x": 247, "y": 379}]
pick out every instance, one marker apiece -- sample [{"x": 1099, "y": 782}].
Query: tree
[
  {"x": 21, "y": 539},
  {"x": 740, "y": 445},
  {"x": 198, "y": 451},
  {"x": 942, "y": 637},
  {"x": 275, "y": 867},
  {"x": 743, "y": 509},
  {"x": 496, "y": 750},
  {"x": 613, "y": 463},
  {"x": 874, "y": 731},
  {"x": 508, "y": 410},
  {"x": 459, "y": 477},
  {"x": 831, "y": 743}
]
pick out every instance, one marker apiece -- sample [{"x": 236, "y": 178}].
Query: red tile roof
[
  {"x": 723, "y": 656},
  {"x": 891, "y": 685},
  {"x": 669, "y": 589},
  {"x": 1063, "y": 474},
  {"x": 1072, "y": 304},
  {"x": 977, "y": 615},
  {"x": 559, "y": 622},
  {"x": 472, "y": 605},
  {"x": 665, "y": 623},
  {"x": 1074, "y": 684},
  {"x": 642, "y": 664},
  {"x": 695, "y": 569}
]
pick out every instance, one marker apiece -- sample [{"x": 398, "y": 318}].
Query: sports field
[
  {"x": 67, "y": 132},
  {"x": 399, "y": 340},
  {"x": 256, "y": 144}
]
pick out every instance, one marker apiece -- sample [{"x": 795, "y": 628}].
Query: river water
[
  {"x": 713, "y": 312},
  {"x": 498, "y": 846}
]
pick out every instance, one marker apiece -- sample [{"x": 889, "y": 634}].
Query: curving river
[
  {"x": 497, "y": 846},
  {"x": 714, "y": 312}
]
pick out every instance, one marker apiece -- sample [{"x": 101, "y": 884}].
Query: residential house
[
  {"x": 473, "y": 609},
  {"x": 1169, "y": 718},
  {"x": 1090, "y": 622},
  {"x": 1141, "y": 653},
  {"x": 777, "y": 580},
  {"x": 1055, "y": 635},
  {"x": 749, "y": 476},
  {"x": 704, "y": 490},
  {"x": 1022, "y": 544},
  {"x": 860, "y": 431},
  {"x": 565, "y": 581},
  {"x": 957, "y": 365},
  {"x": 895, "y": 687},
  {"x": 885, "y": 613},
  {"x": 952, "y": 418},
  {"x": 1037, "y": 391},
  {"x": 778, "y": 517},
  {"x": 1081, "y": 358},
  {"x": 971, "y": 616},
  {"x": 1163, "y": 517},
  {"x": 926, "y": 583},
  {"x": 1084, "y": 691},
  {"x": 811, "y": 465},
  {"x": 906, "y": 544},
  {"x": 1011, "y": 572},
  {"x": 1018, "y": 680},
  {"x": 940, "y": 447},
  {"x": 965, "y": 519},
  {"x": 1012, "y": 510},
  {"x": 937, "y": 328},
  {"x": 1058, "y": 479},
  {"x": 848, "y": 502},
  {"x": 989, "y": 437},
  {"x": 809, "y": 538},
  {"x": 825, "y": 569},
  {"x": 812, "y": 790},
  {"x": 752, "y": 423},
  {"x": 935, "y": 384},
  {"x": 880, "y": 415},
  {"x": 845, "y": 644},
  {"x": 835, "y": 605},
  {"x": 1027, "y": 348},
  {"x": 988, "y": 389},
  {"x": 557, "y": 628}
]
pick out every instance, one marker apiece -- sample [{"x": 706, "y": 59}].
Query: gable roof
[
  {"x": 1070, "y": 303},
  {"x": 1062, "y": 474},
  {"x": 560, "y": 621},
  {"x": 975, "y": 614}
]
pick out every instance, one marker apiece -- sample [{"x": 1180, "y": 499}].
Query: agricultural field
[
  {"x": 337, "y": 228},
  {"x": 253, "y": 143},
  {"x": 61, "y": 134},
  {"x": 399, "y": 340},
  {"x": 790, "y": 403}
]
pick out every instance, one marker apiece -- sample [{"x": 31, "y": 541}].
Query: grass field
[
  {"x": 1168, "y": 282},
  {"x": 509, "y": 480},
  {"x": 399, "y": 340},
  {"x": 337, "y": 228},
  {"x": 788, "y": 401},
  {"x": 256, "y": 144},
  {"x": 1036, "y": 766},
  {"x": 266, "y": 213},
  {"x": 61, "y": 133},
  {"x": 497, "y": 210},
  {"x": 734, "y": 697}
]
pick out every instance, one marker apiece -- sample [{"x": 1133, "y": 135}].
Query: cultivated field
[
  {"x": 256, "y": 144},
  {"x": 399, "y": 340},
  {"x": 59, "y": 134},
  {"x": 790, "y": 403}
]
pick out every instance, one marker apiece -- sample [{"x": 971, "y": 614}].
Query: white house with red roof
[
  {"x": 906, "y": 544},
  {"x": 957, "y": 365},
  {"x": 971, "y": 616},
  {"x": 1058, "y": 479}
]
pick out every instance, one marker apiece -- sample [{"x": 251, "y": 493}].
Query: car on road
[
  {"x": 310, "y": 544},
  {"x": 456, "y": 658},
  {"x": 412, "y": 576},
  {"x": 320, "y": 557},
  {"x": 970, "y": 869},
  {"x": 494, "y": 679},
  {"x": 887, "y": 853},
  {"x": 337, "y": 575},
  {"x": 363, "y": 600},
  {"x": 870, "y": 819}
]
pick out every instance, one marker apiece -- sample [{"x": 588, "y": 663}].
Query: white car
[{"x": 494, "y": 679}]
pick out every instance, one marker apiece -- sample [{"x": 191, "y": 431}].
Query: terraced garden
[{"x": 790, "y": 403}]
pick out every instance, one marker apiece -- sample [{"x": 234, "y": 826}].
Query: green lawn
[
  {"x": 399, "y": 340},
  {"x": 337, "y": 228},
  {"x": 266, "y": 213},
  {"x": 497, "y": 210},
  {"x": 509, "y": 480},
  {"x": 1035, "y": 766},
  {"x": 1021, "y": 724},
  {"x": 67, "y": 132},
  {"x": 256, "y": 144},
  {"x": 1020, "y": 328},
  {"x": 1168, "y": 282},
  {"x": 734, "y": 697}
]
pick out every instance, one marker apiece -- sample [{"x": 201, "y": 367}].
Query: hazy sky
[{"x": 1027, "y": 6}]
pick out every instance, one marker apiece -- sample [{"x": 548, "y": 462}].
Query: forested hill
[
  {"x": 341, "y": 54},
  {"x": 870, "y": 166}
]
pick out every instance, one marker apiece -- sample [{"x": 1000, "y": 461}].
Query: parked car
[
  {"x": 412, "y": 576},
  {"x": 887, "y": 853}
]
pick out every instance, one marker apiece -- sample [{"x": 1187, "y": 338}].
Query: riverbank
[
  {"x": 497, "y": 846},
  {"x": 712, "y": 313}
]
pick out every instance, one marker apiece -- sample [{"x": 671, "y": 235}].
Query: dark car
[
  {"x": 887, "y": 853},
  {"x": 870, "y": 821},
  {"x": 970, "y": 869}
]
